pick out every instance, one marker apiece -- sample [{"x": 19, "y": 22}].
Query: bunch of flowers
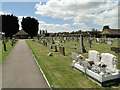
[
  {"x": 102, "y": 64},
  {"x": 80, "y": 56},
  {"x": 90, "y": 61}
]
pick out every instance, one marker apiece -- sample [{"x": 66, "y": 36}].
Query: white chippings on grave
[{"x": 103, "y": 71}]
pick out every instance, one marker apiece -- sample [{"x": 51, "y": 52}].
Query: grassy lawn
[
  {"x": 58, "y": 69},
  {"x": 3, "y": 53}
]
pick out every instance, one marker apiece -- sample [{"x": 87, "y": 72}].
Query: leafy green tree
[
  {"x": 95, "y": 32},
  {"x": 30, "y": 25},
  {"x": 106, "y": 27},
  {"x": 10, "y": 25}
]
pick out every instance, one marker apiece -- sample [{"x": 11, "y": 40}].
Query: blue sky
[{"x": 61, "y": 16}]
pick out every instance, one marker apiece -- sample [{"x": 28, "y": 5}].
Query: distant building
[
  {"x": 22, "y": 34},
  {"x": 111, "y": 31}
]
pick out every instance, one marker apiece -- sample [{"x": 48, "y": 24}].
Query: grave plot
[{"x": 103, "y": 70}]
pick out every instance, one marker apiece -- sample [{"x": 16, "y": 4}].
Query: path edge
[{"x": 39, "y": 67}]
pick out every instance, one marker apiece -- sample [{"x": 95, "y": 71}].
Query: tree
[
  {"x": 10, "y": 25},
  {"x": 106, "y": 27},
  {"x": 30, "y": 25},
  {"x": 95, "y": 32}
]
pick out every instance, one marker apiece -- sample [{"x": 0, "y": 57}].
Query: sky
[{"x": 65, "y": 15}]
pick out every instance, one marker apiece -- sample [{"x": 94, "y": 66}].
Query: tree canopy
[
  {"x": 30, "y": 25},
  {"x": 10, "y": 25},
  {"x": 106, "y": 27}
]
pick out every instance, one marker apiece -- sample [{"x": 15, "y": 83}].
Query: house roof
[
  {"x": 21, "y": 32},
  {"x": 114, "y": 31},
  {"x": 111, "y": 31}
]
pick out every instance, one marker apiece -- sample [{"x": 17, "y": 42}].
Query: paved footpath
[{"x": 20, "y": 70}]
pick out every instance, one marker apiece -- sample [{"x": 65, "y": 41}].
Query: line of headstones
[
  {"x": 5, "y": 40},
  {"x": 82, "y": 49}
]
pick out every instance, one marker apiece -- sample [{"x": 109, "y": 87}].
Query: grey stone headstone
[{"x": 74, "y": 56}]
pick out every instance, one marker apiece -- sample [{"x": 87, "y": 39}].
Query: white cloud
[
  {"x": 1, "y": 13},
  {"x": 100, "y": 12},
  {"x": 55, "y": 27}
]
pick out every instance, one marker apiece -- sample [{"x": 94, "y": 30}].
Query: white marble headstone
[
  {"x": 110, "y": 60},
  {"x": 94, "y": 55}
]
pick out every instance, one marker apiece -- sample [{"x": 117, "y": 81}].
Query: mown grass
[
  {"x": 58, "y": 69},
  {"x": 3, "y": 53}
]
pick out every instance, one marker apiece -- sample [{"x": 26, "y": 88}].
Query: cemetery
[
  {"x": 61, "y": 44},
  {"x": 96, "y": 64}
]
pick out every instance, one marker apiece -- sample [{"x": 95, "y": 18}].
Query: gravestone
[
  {"x": 62, "y": 50},
  {"x": 82, "y": 48},
  {"x": 51, "y": 46},
  {"x": 12, "y": 43},
  {"x": 97, "y": 40},
  {"x": 55, "y": 49},
  {"x": 115, "y": 49},
  {"x": 110, "y": 60},
  {"x": 94, "y": 56},
  {"x": 53, "y": 41},
  {"x": 50, "y": 54},
  {"x": 4, "y": 44},
  {"x": 45, "y": 43},
  {"x": 109, "y": 42},
  {"x": 90, "y": 42},
  {"x": 74, "y": 56}
]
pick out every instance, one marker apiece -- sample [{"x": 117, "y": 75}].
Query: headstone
[
  {"x": 45, "y": 43},
  {"x": 62, "y": 50},
  {"x": 115, "y": 49},
  {"x": 82, "y": 48},
  {"x": 56, "y": 49},
  {"x": 53, "y": 41},
  {"x": 90, "y": 42},
  {"x": 94, "y": 56},
  {"x": 4, "y": 44},
  {"x": 51, "y": 46},
  {"x": 109, "y": 41},
  {"x": 50, "y": 54},
  {"x": 110, "y": 60},
  {"x": 74, "y": 56},
  {"x": 97, "y": 40}
]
